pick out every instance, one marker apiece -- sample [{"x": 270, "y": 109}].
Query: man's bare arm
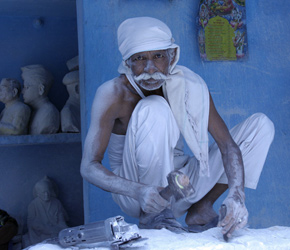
[
  {"x": 231, "y": 154},
  {"x": 103, "y": 115},
  {"x": 105, "y": 111},
  {"x": 234, "y": 168}
]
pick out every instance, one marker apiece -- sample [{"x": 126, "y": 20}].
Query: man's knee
[
  {"x": 265, "y": 125},
  {"x": 154, "y": 104},
  {"x": 128, "y": 205},
  {"x": 154, "y": 112}
]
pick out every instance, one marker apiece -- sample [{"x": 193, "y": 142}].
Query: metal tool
[
  {"x": 179, "y": 186},
  {"x": 223, "y": 212},
  {"x": 114, "y": 231}
]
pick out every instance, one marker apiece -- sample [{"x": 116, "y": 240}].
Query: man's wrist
[
  {"x": 137, "y": 190},
  {"x": 238, "y": 194}
]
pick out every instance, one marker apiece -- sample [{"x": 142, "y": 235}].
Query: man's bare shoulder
[
  {"x": 115, "y": 101},
  {"x": 117, "y": 90},
  {"x": 114, "y": 87}
]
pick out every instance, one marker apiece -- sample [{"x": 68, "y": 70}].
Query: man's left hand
[{"x": 236, "y": 216}]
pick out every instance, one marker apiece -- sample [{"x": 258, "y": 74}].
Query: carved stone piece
[
  {"x": 46, "y": 215},
  {"x": 45, "y": 117},
  {"x": 14, "y": 118},
  {"x": 70, "y": 114},
  {"x": 73, "y": 64}
]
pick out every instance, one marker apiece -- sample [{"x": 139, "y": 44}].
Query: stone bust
[
  {"x": 46, "y": 215},
  {"x": 45, "y": 118},
  {"x": 14, "y": 118},
  {"x": 70, "y": 114}
]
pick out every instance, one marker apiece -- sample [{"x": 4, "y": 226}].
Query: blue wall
[
  {"x": 51, "y": 45},
  {"x": 24, "y": 165},
  {"x": 239, "y": 89},
  {"x": 26, "y": 159}
]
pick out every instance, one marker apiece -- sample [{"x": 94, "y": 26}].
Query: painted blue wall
[
  {"x": 22, "y": 165},
  {"x": 239, "y": 89},
  {"x": 51, "y": 45}
]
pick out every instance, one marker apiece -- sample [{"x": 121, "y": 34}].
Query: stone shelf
[{"x": 40, "y": 139}]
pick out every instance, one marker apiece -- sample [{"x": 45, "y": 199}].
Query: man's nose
[{"x": 150, "y": 67}]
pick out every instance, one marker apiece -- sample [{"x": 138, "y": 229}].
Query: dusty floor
[{"x": 249, "y": 239}]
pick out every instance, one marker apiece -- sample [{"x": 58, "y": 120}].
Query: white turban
[{"x": 141, "y": 34}]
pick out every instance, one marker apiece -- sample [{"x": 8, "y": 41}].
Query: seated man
[
  {"x": 142, "y": 115},
  {"x": 46, "y": 215},
  {"x": 15, "y": 116},
  {"x": 45, "y": 118},
  {"x": 8, "y": 229}
]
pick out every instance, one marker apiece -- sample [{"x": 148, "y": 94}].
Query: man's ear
[
  {"x": 15, "y": 92},
  {"x": 173, "y": 57},
  {"x": 41, "y": 89},
  {"x": 128, "y": 63}
]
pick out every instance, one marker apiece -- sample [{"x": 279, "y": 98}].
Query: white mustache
[{"x": 146, "y": 76}]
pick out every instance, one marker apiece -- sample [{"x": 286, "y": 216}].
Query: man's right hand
[
  {"x": 150, "y": 200},
  {"x": 235, "y": 217}
]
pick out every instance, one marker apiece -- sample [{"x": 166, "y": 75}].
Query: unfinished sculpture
[
  {"x": 73, "y": 64},
  {"x": 45, "y": 118},
  {"x": 14, "y": 118},
  {"x": 46, "y": 215},
  {"x": 70, "y": 114}
]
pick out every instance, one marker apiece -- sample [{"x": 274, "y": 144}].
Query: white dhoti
[{"x": 152, "y": 148}]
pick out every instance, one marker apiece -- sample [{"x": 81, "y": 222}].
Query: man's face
[
  {"x": 150, "y": 68},
  {"x": 30, "y": 90},
  {"x": 6, "y": 91}
]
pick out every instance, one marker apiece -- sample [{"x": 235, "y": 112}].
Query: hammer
[{"x": 178, "y": 185}]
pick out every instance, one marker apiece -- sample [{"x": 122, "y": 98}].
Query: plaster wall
[
  {"x": 26, "y": 159},
  {"x": 239, "y": 89}
]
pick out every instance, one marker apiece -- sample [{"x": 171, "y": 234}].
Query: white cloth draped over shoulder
[{"x": 188, "y": 97}]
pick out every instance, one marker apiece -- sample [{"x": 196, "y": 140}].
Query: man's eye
[
  {"x": 138, "y": 58},
  {"x": 159, "y": 56}
]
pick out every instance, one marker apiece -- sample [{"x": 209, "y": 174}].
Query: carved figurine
[
  {"x": 14, "y": 118},
  {"x": 70, "y": 114},
  {"x": 45, "y": 117},
  {"x": 46, "y": 215}
]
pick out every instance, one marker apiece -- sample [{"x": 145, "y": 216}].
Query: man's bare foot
[
  {"x": 165, "y": 219},
  {"x": 200, "y": 214}
]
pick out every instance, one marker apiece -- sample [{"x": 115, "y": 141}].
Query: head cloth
[{"x": 141, "y": 34}]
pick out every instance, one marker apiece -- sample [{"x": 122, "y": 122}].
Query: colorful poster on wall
[{"x": 222, "y": 31}]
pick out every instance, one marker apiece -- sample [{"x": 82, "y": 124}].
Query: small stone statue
[
  {"x": 46, "y": 215},
  {"x": 70, "y": 114},
  {"x": 45, "y": 118},
  {"x": 14, "y": 118},
  {"x": 73, "y": 64}
]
